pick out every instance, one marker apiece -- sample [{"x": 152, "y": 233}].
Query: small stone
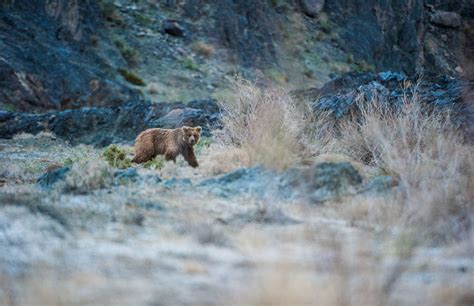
[
  {"x": 387, "y": 76},
  {"x": 173, "y": 28},
  {"x": 458, "y": 69},
  {"x": 50, "y": 178},
  {"x": 446, "y": 19},
  {"x": 312, "y": 7}
]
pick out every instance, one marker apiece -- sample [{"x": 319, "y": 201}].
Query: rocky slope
[{"x": 68, "y": 54}]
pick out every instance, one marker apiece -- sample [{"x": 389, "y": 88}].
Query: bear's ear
[
  {"x": 199, "y": 129},
  {"x": 186, "y": 128}
]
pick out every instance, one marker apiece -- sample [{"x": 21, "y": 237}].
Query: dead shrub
[
  {"x": 88, "y": 175},
  {"x": 425, "y": 154},
  {"x": 266, "y": 123}
]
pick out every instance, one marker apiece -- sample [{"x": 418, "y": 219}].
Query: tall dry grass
[
  {"x": 432, "y": 164},
  {"x": 272, "y": 128},
  {"x": 415, "y": 145}
]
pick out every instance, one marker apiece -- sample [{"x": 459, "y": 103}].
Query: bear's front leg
[{"x": 191, "y": 158}]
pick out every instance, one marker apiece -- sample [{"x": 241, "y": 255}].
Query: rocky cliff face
[
  {"x": 47, "y": 59},
  {"x": 68, "y": 54},
  {"x": 409, "y": 36}
]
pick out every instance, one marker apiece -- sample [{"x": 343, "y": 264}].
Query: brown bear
[{"x": 167, "y": 142}]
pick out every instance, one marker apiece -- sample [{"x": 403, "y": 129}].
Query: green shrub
[
  {"x": 189, "y": 64},
  {"x": 204, "y": 142},
  {"x": 129, "y": 53},
  {"x": 156, "y": 164},
  {"x": 143, "y": 20},
  {"x": 116, "y": 157},
  {"x": 110, "y": 13},
  {"x": 131, "y": 77}
]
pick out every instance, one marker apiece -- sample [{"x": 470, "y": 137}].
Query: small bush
[
  {"x": 267, "y": 123},
  {"x": 190, "y": 64},
  {"x": 142, "y": 19},
  {"x": 427, "y": 157},
  {"x": 156, "y": 163},
  {"x": 203, "y": 49},
  {"x": 131, "y": 77},
  {"x": 130, "y": 54},
  {"x": 204, "y": 142},
  {"x": 116, "y": 157},
  {"x": 88, "y": 175},
  {"x": 110, "y": 12},
  {"x": 324, "y": 23}
]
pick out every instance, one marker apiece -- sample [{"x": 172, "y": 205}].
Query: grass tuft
[
  {"x": 156, "y": 163},
  {"x": 131, "y": 77},
  {"x": 88, "y": 175},
  {"x": 116, "y": 157}
]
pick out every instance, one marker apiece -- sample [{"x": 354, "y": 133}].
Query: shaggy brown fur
[{"x": 167, "y": 142}]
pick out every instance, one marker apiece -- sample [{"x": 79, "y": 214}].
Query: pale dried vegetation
[
  {"x": 431, "y": 206},
  {"x": 266, "y": 123},
  {"x": 417, "y": 146}
]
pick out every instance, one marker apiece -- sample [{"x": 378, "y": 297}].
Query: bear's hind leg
[{"x": 143, "y": 153}]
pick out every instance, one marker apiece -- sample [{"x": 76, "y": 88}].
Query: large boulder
[
  {"x": 102, "y": 126},
  {"x": 446, "y": 19},
  {"x": 340, "y": 95},
  {"x": 317, "y": 183},
  {"x": 324, "y": 181}
]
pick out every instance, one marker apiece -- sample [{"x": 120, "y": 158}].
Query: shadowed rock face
[
  {"x": 47, "y": 58},
  {"x": 402, "y": 35},
  {"x": 340, "y": 95},
  {"x": 102, "y": 126},
  {"x": 50, "y": 61}
]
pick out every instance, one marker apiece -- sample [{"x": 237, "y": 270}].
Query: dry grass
[
  {"x": 267, "y": 124},
  {"x": 89, "y": 175},
  {"x": 415, "y": 145},
  {"x": 203, "y": 49},
  {"x": 432, "y": 164}
]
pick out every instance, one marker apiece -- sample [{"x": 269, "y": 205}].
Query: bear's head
[{"x": 191, "y": 135}]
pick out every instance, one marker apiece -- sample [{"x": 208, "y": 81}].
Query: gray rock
[
  {"x": 317, "y": 183},
  {"x": 387, "y": 76},
  {"x": 265, "y": 214},
  {"x": 49, "y": 179},
  {"x": 4, "y": 115},
  {"x": 339, "y": 95},
  {"x": 446, "y": 19},
  {"x": 122, "y": 177},
  {"x": 256, "y": 181},
  {"x": 102, "y": 126},
  {"x": 312, "y": 7},
  {"x": 324, "y": 181},
  {"x": 175, "y": 182},
  {"x": 180, "y": 117},
  {"x": 173, "y": 28},
  {"x": 381, "y": 184}
]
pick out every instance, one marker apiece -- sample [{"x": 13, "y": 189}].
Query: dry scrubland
[{"x": 412, "y": 244}]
